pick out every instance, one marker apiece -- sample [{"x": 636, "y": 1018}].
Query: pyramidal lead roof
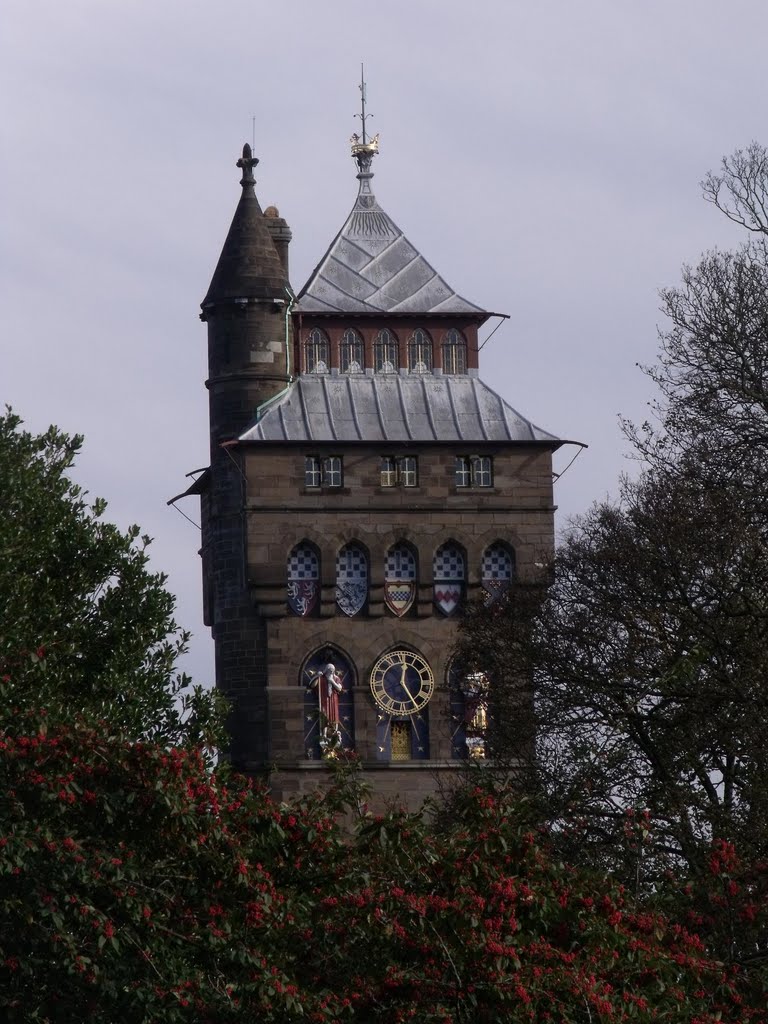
[
  {"x": 393, "y": 407},
  {"x": 248, "y": 266},
  {"x": 371, "y": 267}
]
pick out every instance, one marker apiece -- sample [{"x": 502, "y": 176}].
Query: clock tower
[{"x": 365, "y": 483}]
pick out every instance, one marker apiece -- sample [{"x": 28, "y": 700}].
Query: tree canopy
[
  {"x": 646, "y": 645},
  {"x": 86, "y": 626}
]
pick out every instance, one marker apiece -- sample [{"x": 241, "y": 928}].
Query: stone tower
[
  {"x": 364, "y": 483},
  {"x": 246, "y": 310}
]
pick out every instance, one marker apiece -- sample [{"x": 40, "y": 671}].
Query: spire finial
[
  {"x": 364, "y": 149},
  {"x": 246, "y": 163}
]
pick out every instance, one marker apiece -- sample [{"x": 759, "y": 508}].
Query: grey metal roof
[
  {"x": 371, "y": 267},
  {"x": 393, "y": 407}
]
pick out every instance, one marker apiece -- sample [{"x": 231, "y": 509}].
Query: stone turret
[{"x": 246, "y": 312}]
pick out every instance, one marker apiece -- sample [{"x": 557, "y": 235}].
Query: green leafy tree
[{"x": 86, "y": 627}]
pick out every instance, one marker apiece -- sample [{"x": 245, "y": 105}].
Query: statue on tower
[{"x": 328, "y": 684}]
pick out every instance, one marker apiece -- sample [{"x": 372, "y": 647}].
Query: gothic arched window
[
  {"x": 420, "y": 352},
  {"x": 454, "y": 352},
  {"x": 468, "y": 696},
  {"x": 316, "y": 351},
  {"x": 400, "y": 578},
  {"x": 385, "y": 352},
  {"x": 303, "y": 580},
  {"x": 448, "y": 574},
  {"x": 351, "y": 579},
  {"x": 351, "y": 351},
  {"x": 497, "y": 571},
  {"x": 328, "y": 678}
]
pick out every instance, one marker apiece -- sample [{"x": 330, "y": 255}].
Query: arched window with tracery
[
  {"x": 316, "y": 351},
  {"x": 400, "y": 578},
  {"x": 420, "y": 352},
  {"x": 454, "y": 352},
  {"x": 351, "y": 579},
  {"x": 304, "y": 580},
  {"x": 385, "y": 352},
  {"x": 351, "y": 352},
  {"x": 448, "y": 573},
  {"x": 497, "y": 571}
]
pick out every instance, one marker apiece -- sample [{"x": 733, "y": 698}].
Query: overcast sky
[{"x": 543, "y": 155}]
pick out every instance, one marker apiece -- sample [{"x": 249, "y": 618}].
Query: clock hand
[{"x": 405, "y": 685}]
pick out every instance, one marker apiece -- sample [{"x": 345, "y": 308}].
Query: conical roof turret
[{"x": 249, "y": 266}]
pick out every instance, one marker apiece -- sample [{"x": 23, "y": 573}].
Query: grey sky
[{"x": 543, "y": 156}]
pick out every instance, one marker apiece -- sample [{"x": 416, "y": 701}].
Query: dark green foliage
[{"x": 86, "y": 627}]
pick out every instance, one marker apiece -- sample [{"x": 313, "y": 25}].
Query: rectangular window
[
  {"x": 481, "y": 471},
  {"x": 332, "y": 472},
  {"x": 463, "y": 475},
  {"x": 474, "y": 471},
  {"x": 388, "y": 472},
  {"x": 323, "y": 472},
  {"x": 408, "y": 474},
  {"x": 312, "y": 472},
  {"x": 402, "y": 470}
]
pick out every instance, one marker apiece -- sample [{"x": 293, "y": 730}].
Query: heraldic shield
[
  {"x": 399, "y": 595},
  {"x": 447, "y": 596},
  {"x": 494, "y": 589},
  {"x": 351, "y": 595},
  {"x": 303, "y": 596},
  {"x": 497, "y": 572}
]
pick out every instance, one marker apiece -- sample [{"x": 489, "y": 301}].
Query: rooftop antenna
[{"x": 253, "y": 132}]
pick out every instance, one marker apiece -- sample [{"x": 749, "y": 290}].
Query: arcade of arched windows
[
  {"x": 396, "y": 576},
  {"x": 385, "y": 351}
]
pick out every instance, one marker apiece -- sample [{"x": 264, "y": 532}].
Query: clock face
[{"x": 401, "y": 683}]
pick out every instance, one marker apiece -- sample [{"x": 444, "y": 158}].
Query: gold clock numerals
[{"x": 401, "y": 683}]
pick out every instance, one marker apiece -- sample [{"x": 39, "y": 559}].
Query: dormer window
[
  {"x": 454, "y": 352},
  {"x": 385, "y": 354},
  {"x": 316, "y": 351},
  {"x": 420, "y": 352},
  {"x": 351, "y": 351}
]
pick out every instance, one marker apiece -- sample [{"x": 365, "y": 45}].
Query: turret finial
[
  {"x": 363, "y": 148},
  {"x": 246, "y": 163}
]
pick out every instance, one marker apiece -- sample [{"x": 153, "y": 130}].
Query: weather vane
[{"x": 363, "y": 148}]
